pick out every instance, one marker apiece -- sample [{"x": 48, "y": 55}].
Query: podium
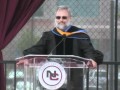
[{"x": 33, "y": 71}]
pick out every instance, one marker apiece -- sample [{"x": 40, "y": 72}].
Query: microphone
[
  {"x": 63, "y": 39},
  {"x": 55, "y": 48},
  {"x": 57, "y": 45},
  {"x": 64, "y": 36}
]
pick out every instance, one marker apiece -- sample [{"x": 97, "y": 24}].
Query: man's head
[{"x": 63, "y": 17}]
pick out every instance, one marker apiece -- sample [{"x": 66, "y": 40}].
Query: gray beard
[{"x": 61, "y": 26}]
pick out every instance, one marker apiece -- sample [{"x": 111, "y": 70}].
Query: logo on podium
[{"x": 52, "y": 75}]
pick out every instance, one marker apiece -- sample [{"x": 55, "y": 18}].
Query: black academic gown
[{"x": 52, "y": 42}]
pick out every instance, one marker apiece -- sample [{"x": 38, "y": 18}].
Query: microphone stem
[{"x": 64, "y": 51}]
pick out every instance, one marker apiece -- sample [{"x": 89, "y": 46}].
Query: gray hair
[{"x": 64, "y": 8}]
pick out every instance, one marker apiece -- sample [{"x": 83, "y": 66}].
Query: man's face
[{"x": 62, "y": 19}]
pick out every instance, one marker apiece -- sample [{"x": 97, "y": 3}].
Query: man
[{"x": 66, "y": 39}]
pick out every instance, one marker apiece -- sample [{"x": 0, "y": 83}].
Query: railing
[{"x": 105, "y": 77}]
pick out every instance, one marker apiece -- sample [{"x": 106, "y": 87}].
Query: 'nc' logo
[{"x": 52, "y": 76}]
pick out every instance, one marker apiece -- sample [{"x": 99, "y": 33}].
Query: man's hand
[
  {"x": 23, "y": 62},
  {"x": 92, "y": 64}
]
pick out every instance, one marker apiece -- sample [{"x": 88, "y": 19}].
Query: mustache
[{"x": 61, "y": 23}]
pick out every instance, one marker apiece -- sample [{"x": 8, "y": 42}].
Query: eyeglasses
[{"x": 59, "y": 17}]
